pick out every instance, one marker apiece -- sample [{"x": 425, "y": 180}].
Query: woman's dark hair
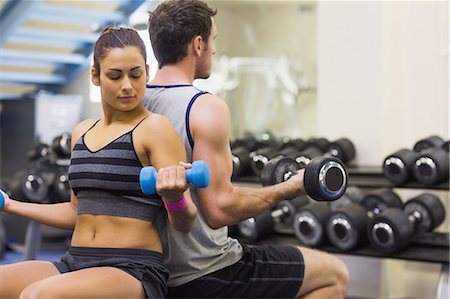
[
  {"x": 117, "y": 37},
  {"x": 174, "y": 23}
]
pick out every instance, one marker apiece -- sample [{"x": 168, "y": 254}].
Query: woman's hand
[
  {"x": 171, "y": 182},
  {"x": 5, "y": 202}
]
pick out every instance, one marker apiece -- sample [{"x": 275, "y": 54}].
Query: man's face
[{"x": 205, "y": 63}]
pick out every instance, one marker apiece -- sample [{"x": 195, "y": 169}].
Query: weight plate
[
  {"x": 278, "y": 170},
  {"x": 427, "y": 210},
  {"x": 325, "y": 178}
]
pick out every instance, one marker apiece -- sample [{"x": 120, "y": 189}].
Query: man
[{"x": 206, "y": 263}]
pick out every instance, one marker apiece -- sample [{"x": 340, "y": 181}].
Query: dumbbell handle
[{"x": 280, "y": 212}]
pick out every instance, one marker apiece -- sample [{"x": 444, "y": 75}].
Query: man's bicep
[
  {"x": 211, "y": 143},
  {"x": 211, "y": 136}
]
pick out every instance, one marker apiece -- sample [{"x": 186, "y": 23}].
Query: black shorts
[
  {"x": 144, "y": 265},
  {"x": 264, "y": 271}
]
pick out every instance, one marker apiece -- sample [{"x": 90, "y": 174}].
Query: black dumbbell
[
  {"x": 393, "y": 229},
  {"x": 309, "y": 222},
  {"x": 241, "y": 161},
  {"x": 59, "y": 190},
  {"x": 29, "y": 185},
  {"x": 343, "y": 149},
  {"x": 249, "y": 142},
  {"x": 352, "y": 194},
  {"x": 263, "y": 225},
  {"x": 260, "y": 157},
  {"x": 398, "y": 166},
  {"x": 432, "y": 166},
  {"x": 297, "y": 143},
  {"x": 305, "y": 156},
  {"x": 290, "y": 151},
  {"x": 61, "y": 145},
  {"x": 321, "y": 143},
  {"x": 445, "y": 146},
  {"x": 427, "y": 143},
  {"x": 325, "y": 178},
  {"x": 346, "y": 227},
  {"x": 38, "y": 151}
]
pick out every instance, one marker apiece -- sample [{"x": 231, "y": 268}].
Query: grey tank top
[
  {"x": 203, "y": 250},
  {"x": 106, "y": 181}
]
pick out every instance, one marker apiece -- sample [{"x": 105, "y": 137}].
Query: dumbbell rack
[
  {"x": 33, "y": 237},
  {"x": 428, "y": 248}
]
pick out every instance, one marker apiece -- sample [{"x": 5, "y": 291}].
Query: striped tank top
[{"x": 106, "y": 182}]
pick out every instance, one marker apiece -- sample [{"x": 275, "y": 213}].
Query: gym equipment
[
  {"x": 197, "y": 175},
  {"x": 61, "y": 145},
  {"x": 60, "y": 190},
  {"x": 343, "y": 149},
  {"x": 308, "y": 154},
  {"x": 398, "y": 166},
  {"x": 261, "y": 157},
  {"x": 347, "y": 225},
  {"x": 309, "y": 223},
  {"x": 263, "y": 225},
  {"x": 321, "y": 143},
  {"x": 432, "y": 166},
  {"x": 296, "y": 143},
  {"x": 427, "y": 143},
  {"x": 30, "y": 186},
  {"x": 393, "y": 229},
  {"x": 38, "y": 151},
  {"x": 325, "y": 178},
  {"x": 352, "y": 194},
  {"x": 241, "y": 161},
  {"x": 249, "y": 142},
  {"x": 446, "y": 146}
]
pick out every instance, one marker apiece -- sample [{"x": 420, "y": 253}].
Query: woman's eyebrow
[{"x": 119, "y": 70}]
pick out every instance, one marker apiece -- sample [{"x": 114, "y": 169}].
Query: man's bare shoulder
[{"x": 211, "y": 101}]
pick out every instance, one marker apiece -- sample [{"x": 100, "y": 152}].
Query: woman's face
[{"x": 122, "y": 79}]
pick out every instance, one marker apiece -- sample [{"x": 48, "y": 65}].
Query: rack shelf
[
  {"x": 365, "y": 177},
  {"x": 429, "y": 247}
]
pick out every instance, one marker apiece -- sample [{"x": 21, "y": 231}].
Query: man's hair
[
  {"x": 173, "y": 25},
  {"x": 116, "y": 37}
]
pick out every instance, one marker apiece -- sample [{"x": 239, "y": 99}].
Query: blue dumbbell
[
  {"x": 197, "y": 175},
  {"x": 2, "y": 200}
]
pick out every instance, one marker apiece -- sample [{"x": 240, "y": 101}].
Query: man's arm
[{"x": 222, "y": 203}]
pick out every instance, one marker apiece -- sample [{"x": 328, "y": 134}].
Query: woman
[{"x": 115, "y": 249}]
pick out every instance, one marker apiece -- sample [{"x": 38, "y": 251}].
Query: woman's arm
[
  {"x": 165, "y": 151},
  {"x": 61, "y": 215}
]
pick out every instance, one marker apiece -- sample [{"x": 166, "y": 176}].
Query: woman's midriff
[{"x": 103, "y": 231}]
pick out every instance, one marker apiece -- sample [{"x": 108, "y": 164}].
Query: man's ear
[
  {"x": 198, "y": 45},
  {"x": 95, "y": 78}
]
